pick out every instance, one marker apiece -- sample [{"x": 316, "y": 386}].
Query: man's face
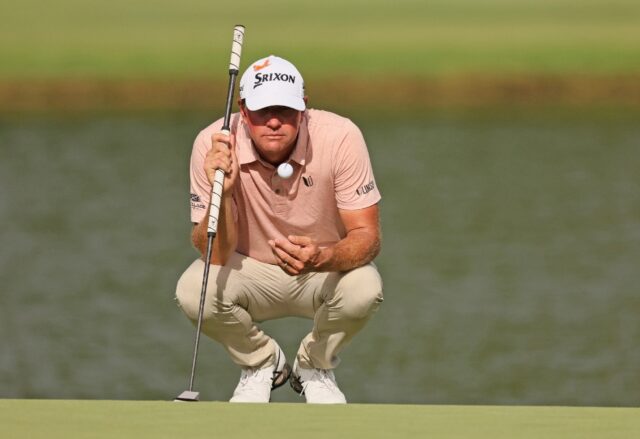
[{"x": 274, "y": 131}]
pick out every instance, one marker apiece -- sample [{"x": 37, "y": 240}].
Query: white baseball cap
[{"x": 272, "y": 81}]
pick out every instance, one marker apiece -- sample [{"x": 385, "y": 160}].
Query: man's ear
[{"x": 243, "y": 109}]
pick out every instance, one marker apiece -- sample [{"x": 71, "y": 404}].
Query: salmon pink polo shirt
[{"x": 331, "y": 171}]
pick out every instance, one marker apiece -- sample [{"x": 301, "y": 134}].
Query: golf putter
[{"x": 191, "y": 395}]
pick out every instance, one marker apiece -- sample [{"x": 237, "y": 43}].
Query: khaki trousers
[{"x": 245, "y": 292}]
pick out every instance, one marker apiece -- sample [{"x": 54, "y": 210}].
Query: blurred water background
[{"x": 510, "y": 259}]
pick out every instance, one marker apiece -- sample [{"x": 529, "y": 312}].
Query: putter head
[{"x": 188, "y": 396}]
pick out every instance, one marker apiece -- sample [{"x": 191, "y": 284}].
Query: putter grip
[
  {"x": 216, "y": 198},
  {"x": 236, "y": 48}
]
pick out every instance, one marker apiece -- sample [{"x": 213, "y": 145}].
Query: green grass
[
  {"x": 108, "y": 419},
  {"x": 120, "y": 38}
]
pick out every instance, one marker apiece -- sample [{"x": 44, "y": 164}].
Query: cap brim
[{"x": 258, "y": 102}]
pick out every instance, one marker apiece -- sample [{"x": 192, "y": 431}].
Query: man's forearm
[
  {"x": 358, "y": 248},
  {"x": 226, "y": 236}
]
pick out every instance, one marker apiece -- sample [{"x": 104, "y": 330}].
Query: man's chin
[{"x": 273, "y": 146}]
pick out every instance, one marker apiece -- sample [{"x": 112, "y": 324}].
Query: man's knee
[
  {"x": 220, "y": 300},
  {"x": 188, "y": 290},
  {"x": 360, "y": 292}
]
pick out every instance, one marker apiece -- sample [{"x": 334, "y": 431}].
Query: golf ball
[{"x": 285, "y": 170}]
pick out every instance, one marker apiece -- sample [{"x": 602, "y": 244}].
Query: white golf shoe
[
  {"x": 318, "y": 386},
  {"x": 256, "y": 384}
]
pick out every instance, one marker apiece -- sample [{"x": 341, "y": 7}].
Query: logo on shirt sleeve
[
  {"x": 362, "y": 190},
  {"x": 196, "y": 203}
]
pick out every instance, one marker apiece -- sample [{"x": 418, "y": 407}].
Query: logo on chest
[{"x": 307, "y": 180}]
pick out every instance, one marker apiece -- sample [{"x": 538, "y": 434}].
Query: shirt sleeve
[
  {"x": 200, "y": 186},
  {"x": 355, "y": 185}
]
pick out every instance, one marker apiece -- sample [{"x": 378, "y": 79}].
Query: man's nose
[{"x": 273, "y": 121}]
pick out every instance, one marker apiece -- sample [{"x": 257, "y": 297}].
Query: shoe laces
[
  {"x": 250, "y": 376},
  {"x": 324, "y": 377}
]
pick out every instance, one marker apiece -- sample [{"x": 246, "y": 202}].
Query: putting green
[{"x": 156, "y": 419}]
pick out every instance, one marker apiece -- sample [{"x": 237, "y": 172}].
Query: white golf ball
[{"x": 285, "y": 170}]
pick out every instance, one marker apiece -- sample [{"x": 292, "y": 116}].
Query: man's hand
[
  {"x": 222, "y": 155},
  {"x": 297, "y": 254},
  {"x": 301, "y": 254}
]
